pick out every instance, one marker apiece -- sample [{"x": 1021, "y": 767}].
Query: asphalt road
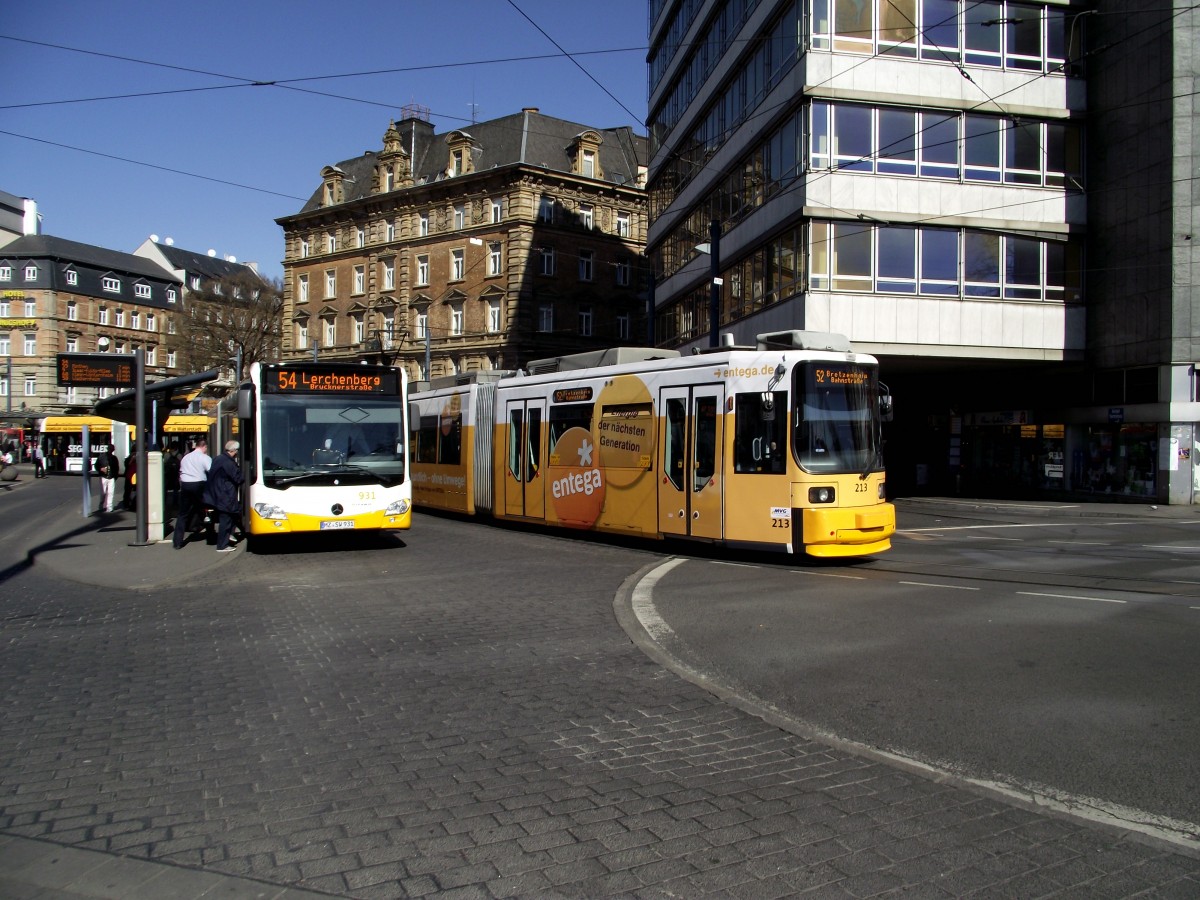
[{"x": 1055, "y": 656}]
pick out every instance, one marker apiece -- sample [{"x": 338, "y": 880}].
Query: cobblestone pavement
[{"x": 402, "y": 722}]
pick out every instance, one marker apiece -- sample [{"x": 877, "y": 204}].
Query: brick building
[{"x": 482, "y": 248}]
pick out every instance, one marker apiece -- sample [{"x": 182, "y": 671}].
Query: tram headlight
[
  {"x": 821, "y": 495},
  {"x": 398, "y": 508},
  {"x": 882, "y": 491},
  {"x": 269, "y": 511}
]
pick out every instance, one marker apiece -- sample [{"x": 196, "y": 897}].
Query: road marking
[
  {"x": 830, "y": 575},
  {"x": 1082, "y": 543},
  {"x": 719, "y": 562},
  {"x": 1169, "y": 547},
  {"x": 951, "y": 587},
  {"x": 982, "y": 527},
  {"x": 1070, "y": 597}
]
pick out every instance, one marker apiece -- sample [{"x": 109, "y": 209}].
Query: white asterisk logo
[{"x": 585, "y": 453}]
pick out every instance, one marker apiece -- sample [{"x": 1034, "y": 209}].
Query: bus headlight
[
  {"x": 398, "y": 508},
  {"x": 820, "y": 495},
  {"x": 269, "y": 511},
  {"x": 882, "y": 491}
]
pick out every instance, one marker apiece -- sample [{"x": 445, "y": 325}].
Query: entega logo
[{"x": 578, "y": 487}]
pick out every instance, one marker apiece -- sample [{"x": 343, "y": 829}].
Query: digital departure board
[
  {"x": 316, "y": 378},
  {"x": 114, "y": 370}
]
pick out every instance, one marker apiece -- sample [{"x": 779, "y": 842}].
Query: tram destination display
[{"x": 319, "y": 379}]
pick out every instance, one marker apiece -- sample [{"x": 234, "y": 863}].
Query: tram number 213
[{"x": 781, "y": 517}]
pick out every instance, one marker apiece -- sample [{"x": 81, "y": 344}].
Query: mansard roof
[
  {"x": 213, "y": 267},
  {"x": 528, "y": 138},
  {"x": 45, "y": 246}
]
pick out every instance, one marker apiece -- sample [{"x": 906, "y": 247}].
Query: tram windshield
[
  {"x": 308, "y": 439},
  {"x": 836, "y": 418}
]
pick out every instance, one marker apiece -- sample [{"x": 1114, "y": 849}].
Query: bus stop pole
[
  {"x": 86, "y": 471},
  {"x": 140, "y": 438}
]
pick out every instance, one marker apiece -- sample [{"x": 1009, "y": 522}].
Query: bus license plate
[{"x": 337, "y": 523}]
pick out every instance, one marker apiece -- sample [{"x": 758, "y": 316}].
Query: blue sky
[{"x": 211, "y": 161}]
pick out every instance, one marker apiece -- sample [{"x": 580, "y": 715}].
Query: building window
[
  {"x": 456, "y": 317},
  {"x": 330, "y": 332},
  {"x": 302, "y": 334},
  {"x": 72, "y": 311},
  {"x": 586, "y": 215},
  {"x": 120, "y": 320},
  {"x": 586, "y": 263},
  {"x": 3, "y": 385},
  {"x": 623, "y": 327},
  {"x": 302, "y": 289},
  {"x": 389, "y": 275},
  {"x": 170, "y": 295},
  {"x": 135, "y": 319},
  {"x": 142, "y": 290},
  {"x": 546, "y": 211},
  {"x": 422, "y": 324},
  {"x": 360, "y": 280},
  {"x": 460, "y": 216},
  {"x": 170, "y": 326},
  {"x": 545, "y": 260},
  {"x": 585, "y": 321},
  {"x": 30, "y": 385},
  {"x": 497, "y": 211},
  {"x": 330, "y": 242},
  {"x": 170, "y": 359},
  {"x": 152, "y": 356},
  {"x": 494, "y": 259},
  {"x": 457, "y": 265},
  {"x": 545, "y": 318},
  {"x": 493, "y": 316},
  {"x": 150, "y": 321},
  {"x": 456, "y": 162},
  {"x": 589, "y": 163},
  {"x": 624, "y": 271},
  {"x": 305, "y": 247},
  {"x": 623, "y": 228},
  {"x": 103, "y": 315},
  {"x": 31, "y": 343},
  {"x": 423, "y": 270},
  {"x": 31, "y": 308},
  {"x": 5, "y": 273},
  {"x": 330, "y": 283},
  {"x": 360, "y": 237},
  {"x": 390, "y": 230},
  {"x": 423, "y": 224},
  {"x": 72, "y": 345},
  {"x": 359, "y": 329},
  {"x": 195, "y": 282},
  {"x": 4, "y": 308},
  {"x": 5, "y": 346},
  {"x": 72, "y": 276},
  {"x": 110, "y": 284},
  {"x": 31, "y": 273}
]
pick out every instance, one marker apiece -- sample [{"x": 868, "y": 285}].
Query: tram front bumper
[{"x": 852, "y": 531}]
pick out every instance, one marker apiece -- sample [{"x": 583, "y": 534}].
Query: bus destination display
[
  {"x": 328, "y": 380},
  {"x": 95, "y": 370}
]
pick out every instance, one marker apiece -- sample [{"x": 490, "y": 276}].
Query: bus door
[
  {"x": 524, "y": 483},
  {"x": 691, "y": 446}
]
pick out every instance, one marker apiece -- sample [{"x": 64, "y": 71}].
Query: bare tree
[{"x": 231, "y": 317}]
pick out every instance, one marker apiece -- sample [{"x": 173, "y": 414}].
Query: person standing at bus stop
[
  {"x": 193, "y": 476},
  {"x": 108, "y": 469},
  {"x": 224, "y": 479}
]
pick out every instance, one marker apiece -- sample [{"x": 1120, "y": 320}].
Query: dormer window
[
  {"x": 333, "y": 191},
  {"x": 142, "y": 291},
  {"x": 31, "y": 273},
  {"x": 110, "y": 284},
  {"x": 461, "y": 161},
  {"x": 72, "y": 277},
  {"x": 585, "y": 154},
  {"x": 195, "y": 282}
]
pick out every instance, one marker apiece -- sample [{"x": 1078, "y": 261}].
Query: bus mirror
[
  {"x": 245, "y": 402},
  {"x": 885, "y": 403}
]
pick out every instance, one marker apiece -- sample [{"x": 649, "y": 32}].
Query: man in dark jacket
[
  {"x": 108, "y": 469},
  {"x": 224, "y": 479}
]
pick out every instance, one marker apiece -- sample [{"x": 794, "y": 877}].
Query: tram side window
[
  {"x": 705, "y": 463},
  {"x": 450, "y": 440},
  {"x": 565, "y": 417},
  {"x": 676, "y": 421},
  {"x": 427, "y": 440},
  {"x": 516, "y": 434},
  {"x": 760, "y": 439}
]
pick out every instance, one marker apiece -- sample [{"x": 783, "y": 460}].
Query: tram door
[
  {"x": 524, "y": 486},
  {"x": 692, "y": 449}
]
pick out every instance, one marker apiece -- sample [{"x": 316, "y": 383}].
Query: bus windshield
[
  {"x": 835, "y": 427},
  {"x": 310, "y": 439}
]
